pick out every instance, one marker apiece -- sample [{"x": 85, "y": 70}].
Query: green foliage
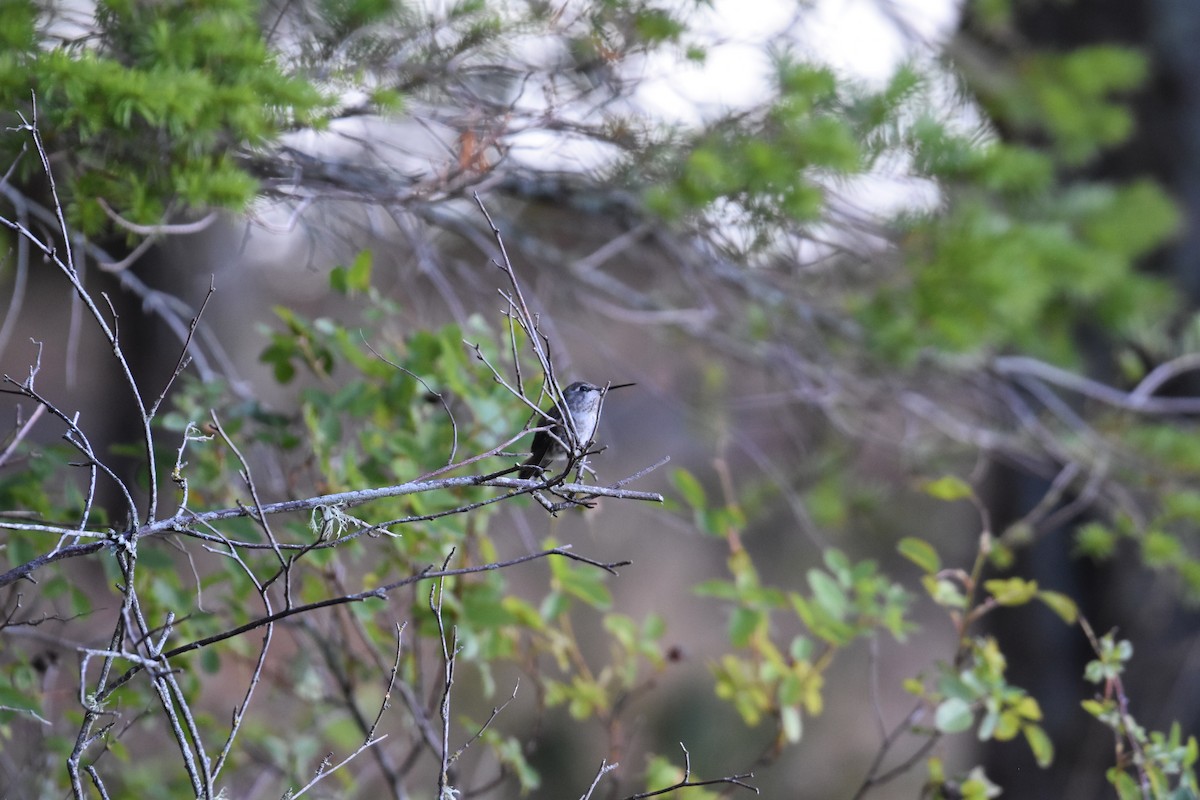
[
  {"x": 948, "y": 488},
  {"x": 921, "y": 553},
  {"x": 766, "y": 679},
  {"x": 341, "y": 18},
  {"x": 768, "y": 169},
  {"x": 1110, "y": 661},
  {"x": 1149, "y": 764},
  {"x": 1073, "y": 101},
  {"x": 783, "y": 678},
  {"x": 1011, "y": 255},
  {"x": 974, "y": 694},
  {"x": 972, "y": 691},
  {"x": 1027, "y": 271},
  {"x": 1021, "y": 257},
  {"x": 150, "y": 116},
  {"x": 606, "y": 32},
  {"x": 366, "y": 420},
  {"x": 1095, "y": 541},
  {"x": 1165, "y": 539},
  {"x": 711, "y": 519},
  {"x": 39, "y": 486},
  {"x": 1076, "y": 98},
  {"x": 979, "y": 687},
  {"x": 974, "y": 786},
  {"x": 354, "y": 279}
]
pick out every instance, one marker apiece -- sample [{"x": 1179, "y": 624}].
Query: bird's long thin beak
[{"x": 618, "y": 386}]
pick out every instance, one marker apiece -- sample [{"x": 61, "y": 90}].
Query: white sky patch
[
  {"x": 736, "y": 71},
  {"x": 862, "y": 39},
  {"x": 869, "y": 38}
]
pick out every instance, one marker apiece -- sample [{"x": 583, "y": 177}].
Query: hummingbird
[{"x": 582, "y": 400}]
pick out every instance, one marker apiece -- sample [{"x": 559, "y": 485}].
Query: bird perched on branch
[{"x": 582, "y": 400}]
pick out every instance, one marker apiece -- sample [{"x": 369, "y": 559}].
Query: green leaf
[
  {"x": 360, "y": 271},
  {"x": 1028, "y": 708},
  {"x": 921, "y": 553},
  {"x": 1040, "y": 744},
  {"x": 716, "y": 587},
  {"x": 210, "y": 660},
  {"x": 1127, "y": 788},
  {"x": 1011, "y": 591},
  {"x": 690, "y": 488},
  {"x": 987, "y": 726},
  {"x": 944, "y": 592},
  {"x": 953, "y": 715},
  {"x": 554, "y": 605},
  {"x": 742, "y": 626},
  {"x": 801, "y": 648},
  {"x": 339, "y": 280},
  {"x": 978, "y": 787},
  {"x": 510, "y": 752},
  {"x": 1007, "y": 727},
  {"x": 590, "y": 590},
  {"x": 660, "y": 773},
  {"x": 828, "y": 594},
  {"x": 1095, "y": 541},
  {"x": 1060, "y": 604},
  {"x": 1161, "y": 549},
  {"x": 839, "y": 565},
  {"x": 948, "y": 487}
]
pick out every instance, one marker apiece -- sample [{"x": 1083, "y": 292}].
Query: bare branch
[
  {"x": 686, "y": 781},
  {"x": 164, "y": 229},
  {"x": 182, "y": 364},
  {"x": 371, "y": 739},
  {"x": 378, "y": 593},
  {"x": 449, "y": 659},
  {"x": 1139, "y": 400},
  {"x": 605, "y": 768},
  {"x": 20, "y": 433},
  {"x": 185, "y": 521}
]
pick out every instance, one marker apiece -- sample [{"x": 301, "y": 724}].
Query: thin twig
[
  {"x": 371, "y": 740},
  {"x": 686, "y": 781},
  {"x": 377, "y": 593},
  {"x": 20, "y": 433},
  {"x": 182, "y": 363},
  {"x": 449, "y": 658},
  {"x": 438, "y": 395}
]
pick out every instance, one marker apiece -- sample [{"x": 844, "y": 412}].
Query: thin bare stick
[
  {"x": 162, "y": 229},
  {"x": 1140, "y": 400},
  {"x": 258, "y": 516},
  {"x": 186, "y": 520},
  {"x": 377, "y": 593},
  {"x": 20, "y": 271},
  {"x": 605, "y": 768},
  {"x": 371, "y": 739},
  {"x": 110, "y": 333},
  {"x": 449, "y": 658},
  {"x": 20, "y": 433},
  {"x": 181, "y": 365},
  {"x": 686, "y": 781},
  {"x": 438, "y": 395},
  {"x": 239, "y": 712}
]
